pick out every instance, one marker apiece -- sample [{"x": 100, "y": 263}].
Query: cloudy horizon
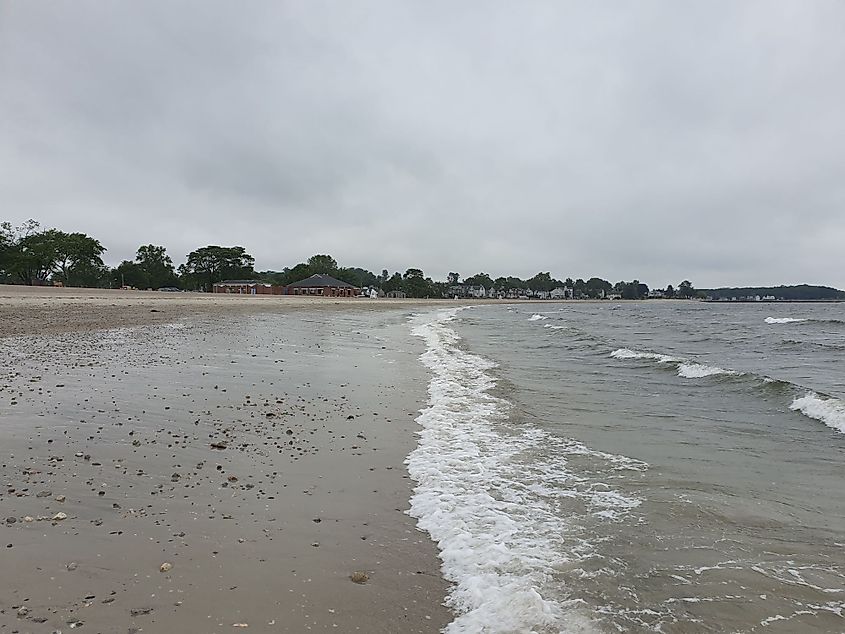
[{"x": 655, "y": 140}]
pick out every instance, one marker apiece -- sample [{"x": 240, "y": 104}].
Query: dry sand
[
  {"x": 230, "y": 462},
  {"x": 46, "y": 310}
]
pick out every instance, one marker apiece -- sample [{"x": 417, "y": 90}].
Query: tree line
[
  {"x": 798, "y": 292},
  {"x": 32, "y": 255}
]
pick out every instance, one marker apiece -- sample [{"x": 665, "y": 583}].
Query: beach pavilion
[{"x": 324, "y": 285}]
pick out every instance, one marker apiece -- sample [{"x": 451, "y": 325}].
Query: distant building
[
  {"x": 518, "y": 293},
  {"x": 246, "y": 287},
  {"x": 322, "y": 285},
  {"x": 396, "y": 295},
  {"x": 465, "y": 291},
  {"x": 562, "y": 292},
  {"x": 656, "y": 294}
]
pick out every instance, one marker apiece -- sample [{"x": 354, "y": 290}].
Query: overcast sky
[{"x": 656, "y": 140}]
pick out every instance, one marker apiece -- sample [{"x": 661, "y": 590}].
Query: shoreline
[
  {"x": 315, "y": 410},
  {"x": 48, "y": 310},
  {"x": 51, "y": 310}
]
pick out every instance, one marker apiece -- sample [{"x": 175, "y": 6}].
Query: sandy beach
[
  {"x": 46, "y": 310},
  {"x": 195, "y": 463}
]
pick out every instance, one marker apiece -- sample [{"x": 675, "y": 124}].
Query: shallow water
[{"x": 661, "y": 466}]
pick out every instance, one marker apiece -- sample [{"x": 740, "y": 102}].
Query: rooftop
[
  {"x": 321, "y": 281},
  {"x": 238, "y": 282}
]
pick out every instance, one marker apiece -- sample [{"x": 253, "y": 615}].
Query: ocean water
[{"x": 636, "y": 467}]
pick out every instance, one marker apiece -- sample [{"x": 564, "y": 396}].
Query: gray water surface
[{"x": 740, "y": 525}]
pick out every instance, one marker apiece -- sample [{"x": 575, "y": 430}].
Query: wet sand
[{"x": 209, "y": 468}]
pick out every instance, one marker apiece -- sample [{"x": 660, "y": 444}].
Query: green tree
[
  {"x": 393, "y": 283},
  {"x": 297, "y": 273},
  {"x": 542, "y": 282},
  {"x": 356, "y": 276},
  {"x": 453, "y": 278},
  {"x": 439, "y": 289},
  {"x": 631, "y": 290},
  {"x": 34, "y": 257},
  {"x": 77, "y": 256},
  {"x": 91, "y": 275},
  {"x": 480, "y": 279},
  {"x": 211, "y": 264},
  {"x": 156, "y": 265},
  {"x": 597, "y": 287},
  {"x": 685, "y": 290},
  {"x": 580, "y": 288},
  {"x": 322, "y": 264},
  {"x": 7, "y": 243},
  {"x": 129, "y": 273},
  {"x": 415, "y": 285}
]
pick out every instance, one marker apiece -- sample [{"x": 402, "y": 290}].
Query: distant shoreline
[{"x": 773, "y": 301}]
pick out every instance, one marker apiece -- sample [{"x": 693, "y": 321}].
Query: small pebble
[{"x": 359, "y": 576}]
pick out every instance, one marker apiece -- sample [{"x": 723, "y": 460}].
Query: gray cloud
[{"x": 657, "y": 140}]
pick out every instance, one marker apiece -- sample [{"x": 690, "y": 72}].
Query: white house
[{"x": 562, "y": 292}]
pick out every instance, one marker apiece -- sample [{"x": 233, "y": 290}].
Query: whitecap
[
  {"x": 626, "y": 353},
  {"x": 830, "y": 411},
  {"x": 782, "y": 320},
  {"x": 699, "y": 371},
  {"x": 537, "y": 317},
  {"x": 686, "y": 369}
]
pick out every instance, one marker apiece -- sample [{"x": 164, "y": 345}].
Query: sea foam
[
  {"x": 626, "y": 353},
  {"x": 699, "y": 370},
  {"x": 782, "y": 320},
  {"x": 536, "y": 317},
  {"x": 686, "y": 369},
  {"x": 490, "y": 497},
  {"x": 830, "y": 411}
]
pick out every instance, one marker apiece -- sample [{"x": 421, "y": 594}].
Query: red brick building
[
  {"x": 247, "y": 287},
  {"x": 322, "y": 285}
]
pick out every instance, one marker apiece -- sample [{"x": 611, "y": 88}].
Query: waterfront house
[{"x": 562, "y": 292}]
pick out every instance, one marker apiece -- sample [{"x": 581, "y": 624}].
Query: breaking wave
[
  {"x": 686, "y": 369},
  {"x": 627, "y": 353},
  {"x": 492, "y": 495},
  {"x": 793, "y": 320},
  {"x": 829, "y": 410},
  {"x": 699, "y": 371},
  {"x": 537, "y": 317}
]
